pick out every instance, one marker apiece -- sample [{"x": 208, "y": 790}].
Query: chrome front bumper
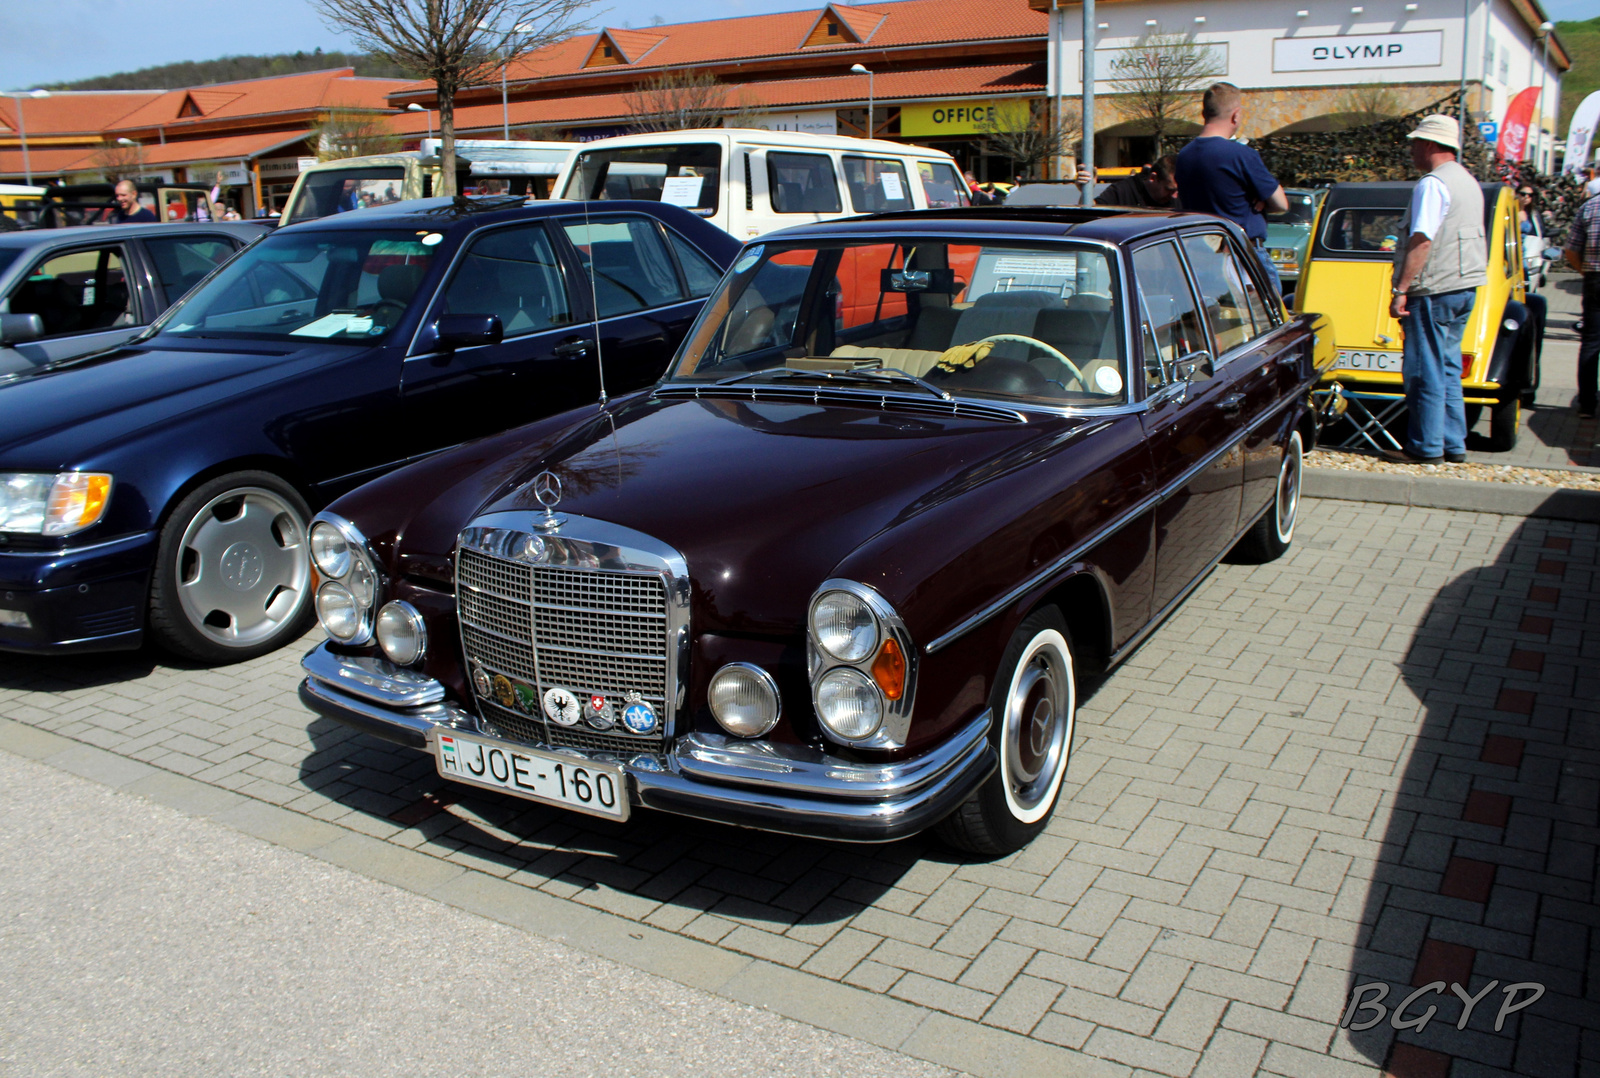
[{"x": 793, "y": 789}]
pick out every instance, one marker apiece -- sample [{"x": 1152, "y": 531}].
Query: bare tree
[
  {"x": 1027, "y": 133},
  {"x": 1367, "y": 103},
  {"x": 119, "y": 161},
  {"x": 345, "y": 133},
  {"x": 454, "y": 43},
  {"x": 677, "y": 101},
  {"x": 1156, "y": 79}
]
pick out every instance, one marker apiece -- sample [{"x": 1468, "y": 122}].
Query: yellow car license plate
[{"x": 1386, "y": 362}]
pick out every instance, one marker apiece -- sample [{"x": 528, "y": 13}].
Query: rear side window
[
  {"x": 77, "y": 292},
  {"x": 1222, "y": 290},
  {"x": 802, "y": 183},
  {"x": 628, "y": 262},
  {"x": 877, "y": 185},
  {"x": 944, "y": 189},
  {"x": 183, "y": 261},
  {"x": 700, "y": 273},
  {"x": 1356, "y": 230}
]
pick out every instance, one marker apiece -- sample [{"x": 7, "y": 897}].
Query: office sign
[
  {"x": 1344, "y": 52},
  {"x": 961, "y": 117}
]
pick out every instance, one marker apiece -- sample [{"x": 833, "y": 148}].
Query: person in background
[
  {"x": 1583, "y": 255},
  {"x": 1155, "y": 187},
  {"x": 978, "y": 196},
  {"x": 1439, "y": 265},
  {"x": 1219, "y": 175},
  {"x": 128, "y": 211}
]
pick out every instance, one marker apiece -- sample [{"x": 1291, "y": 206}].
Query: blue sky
[{"x": 62, "y": 40}]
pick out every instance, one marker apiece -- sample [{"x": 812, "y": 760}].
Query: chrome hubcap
[
  {"x": 1289, "y": 488},
  {"x": 242, "y": 567},
  {"x": 1036, "y": 735}
]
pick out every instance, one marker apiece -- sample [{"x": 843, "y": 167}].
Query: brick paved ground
[{"x": 1375, "y": 761}]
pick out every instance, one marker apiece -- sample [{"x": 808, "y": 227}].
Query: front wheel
[
  {"x": 233, "y": 576},
  {"x": 1034, "y": 703},
  {"x": 1270, "y": 536}
]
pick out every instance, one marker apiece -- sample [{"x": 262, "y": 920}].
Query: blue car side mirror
[
  {"x": 20, "y": 328},
  {"x": 467, "y": 331}
]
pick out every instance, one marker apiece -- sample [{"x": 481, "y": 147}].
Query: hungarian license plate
[
  {"x": 1388, "y": 362},
  {"x": 568, "y": 781}
]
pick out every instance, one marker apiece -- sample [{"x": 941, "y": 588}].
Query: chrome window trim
[
  {"x": 893, "y": 730},
  {"x": 591, "y": 544},
  {"x": 1144, "y": 505}
]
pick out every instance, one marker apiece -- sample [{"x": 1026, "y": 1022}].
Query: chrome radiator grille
[{"x": 589, "y": 631}]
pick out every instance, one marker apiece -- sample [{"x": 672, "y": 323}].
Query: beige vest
[{"x": 1459, "y": 256}]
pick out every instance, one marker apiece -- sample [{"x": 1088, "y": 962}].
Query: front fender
[{"x": 1510, "y": 365}]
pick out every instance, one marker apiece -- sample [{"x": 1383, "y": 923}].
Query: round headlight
[
  {"x": 744, "y": 699},
  {"x": 329, "y": 551},
  {"x": 338, "y": 612},
  {"x": 848, "y": 703},
  {"x": 844, "y": 626},
  {"x": 362, "y": 586},
  {"x": 401, "y": 633}
]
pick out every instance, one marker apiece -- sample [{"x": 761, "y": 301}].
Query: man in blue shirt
[{"x": 1218, "y": 175}]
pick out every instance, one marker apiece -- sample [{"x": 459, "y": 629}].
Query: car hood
[
  {"x": 766, "y": 498},
  {"x": 58, "y": 418}
]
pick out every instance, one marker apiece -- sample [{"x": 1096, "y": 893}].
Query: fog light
[
  {"x": 338, "y": 612},
  {"x": 401, "y": 633},
  {"x": 848, "y": 703},
  {"x": 744, "y": 700},
  {"x": 15, "y": 619}
]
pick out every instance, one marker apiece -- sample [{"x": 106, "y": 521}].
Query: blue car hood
[{"x": 58, "y": 418}]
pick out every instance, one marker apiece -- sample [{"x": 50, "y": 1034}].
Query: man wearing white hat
[{"x": 1437, "y": 272}]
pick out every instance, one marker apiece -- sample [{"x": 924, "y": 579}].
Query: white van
[
  {"x": 483, "y": 166},
  {"x": 750, "y": 182}
]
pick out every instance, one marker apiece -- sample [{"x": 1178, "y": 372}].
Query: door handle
[
  {"x": 576, "y": 346},
  {"x": 1231, "y": 403}
]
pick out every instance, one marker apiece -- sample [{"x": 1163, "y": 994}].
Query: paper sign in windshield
[
  {"x": 1039, "y": 267},
  {"x": 891, "y": 185},
  {"x": 682, "y": 190},
  {"x": 331, "y": 324}
]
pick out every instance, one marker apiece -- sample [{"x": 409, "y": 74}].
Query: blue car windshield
[{"x": 347, "y": 287}]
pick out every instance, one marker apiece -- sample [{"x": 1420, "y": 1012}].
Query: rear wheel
[
  {"x": 1034, "y": 703},
  {"x": 233, "y": 576},
  {"x": 1271, "y": 535},
  {"x": 1504, "y": 415}
]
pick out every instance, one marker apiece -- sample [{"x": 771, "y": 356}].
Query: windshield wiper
[{"x": 890, "y": 375}]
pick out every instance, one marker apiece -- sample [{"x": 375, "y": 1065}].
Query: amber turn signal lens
[
  {"x": 77, "y": 500},
  {"x": 889, "y": 670}
]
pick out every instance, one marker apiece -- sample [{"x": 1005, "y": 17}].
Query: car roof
[
  {"x": 1387, "y": 194},
  {"x": 1098, "y": 223},
  {"x": 41, "y": 237},
  {"x": 468, "y": 211},
  {"x": 794, "y": 139}
]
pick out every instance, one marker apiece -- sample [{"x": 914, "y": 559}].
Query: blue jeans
[
  {"x": 1272, "y": 272},
  {"x": 1436, "y": 421}
]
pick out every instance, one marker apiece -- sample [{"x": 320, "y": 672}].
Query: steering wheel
[{"x": 1049, "y": 348}]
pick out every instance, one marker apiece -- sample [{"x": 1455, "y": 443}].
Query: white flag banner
[{"x": 1580, "y": 133}]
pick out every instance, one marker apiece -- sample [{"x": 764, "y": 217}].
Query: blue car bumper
[{"x": 88, "y": 599}]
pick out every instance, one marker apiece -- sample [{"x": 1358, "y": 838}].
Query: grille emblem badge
[
  {"x": 639, "y": 718},
  {"x": 480, "y": 681},
  {"x": 561, "y": 707},
  {"x": 600, "y": 713}
]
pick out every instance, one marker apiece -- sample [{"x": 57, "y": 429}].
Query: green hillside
[
  {"x": 234, "y": 68},
  {"x": 1582, "y": 40}
]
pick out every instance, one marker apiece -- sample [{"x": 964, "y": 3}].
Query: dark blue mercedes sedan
[{"x": 165, "y": 487}]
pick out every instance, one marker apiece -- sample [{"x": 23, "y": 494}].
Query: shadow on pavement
[
  {"x": 1487, "y": 870},
  {"x": 58, "y": 673}
]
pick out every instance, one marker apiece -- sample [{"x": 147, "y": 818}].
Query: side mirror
[
  {"x": 467, "y": 331},
  {"x": 1551, "y": 253},
  {"x": 1196, "y": 365},
  {"x": 20, "y": 328}
]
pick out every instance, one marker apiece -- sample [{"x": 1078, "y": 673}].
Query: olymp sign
[{"x": 1346, "y": 51}]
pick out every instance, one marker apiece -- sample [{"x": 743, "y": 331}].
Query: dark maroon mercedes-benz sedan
[{"x": 909, "y": 480}]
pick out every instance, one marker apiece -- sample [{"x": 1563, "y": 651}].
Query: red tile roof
[
  {"x": 46, "y": 162},
  {"x": 634, "y": 43},
  {"x": 305, "y": 92},
  {"x": 890, "y": 25},
  {"x": 892, "y": 86},
  {"x": 86, "y": 112},
  {"x": 228, "y": 148}
]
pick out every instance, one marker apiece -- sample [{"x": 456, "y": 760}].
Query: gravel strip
[{"x": 1483, "y": 473}]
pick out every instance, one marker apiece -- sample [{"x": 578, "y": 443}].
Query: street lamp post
[
  {"x": 22, "y": 128},
  {"x": 414, "y": 107},
  {"x": 860, "y": 69},
  {"x": 1544, "y": 103}
]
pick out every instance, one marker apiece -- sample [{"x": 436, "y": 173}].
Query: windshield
[
  {"x": 350, "y": 287},
  {"x": 1302, "y": 208},
  {"x": 686, "y": 174},
  {"x": 339, "y": 190},
  {"x": 1013, "y": 322}
]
